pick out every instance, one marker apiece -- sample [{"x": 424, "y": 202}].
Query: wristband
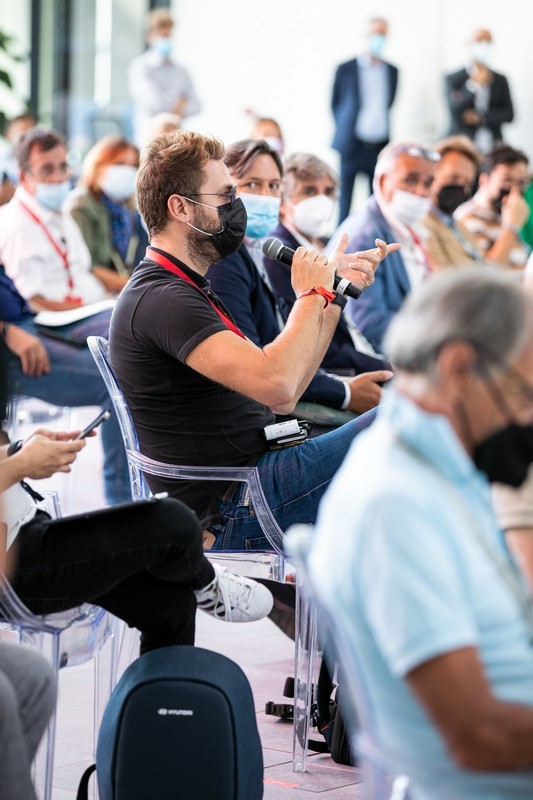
[
  {"x": 322, "y": 291},
  {"x": 14, "y": 447},
  {"x": 340, "y": 300}
]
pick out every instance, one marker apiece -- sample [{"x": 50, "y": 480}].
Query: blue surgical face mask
[
  {"x": 52, "y": 195},
  {"x": 263, "y": 213},
  {"x": 376, "y": 44},
  {"x": 163, "y": 46}
]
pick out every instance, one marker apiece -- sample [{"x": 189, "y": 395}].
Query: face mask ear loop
[{"x": 495, "y": 393}]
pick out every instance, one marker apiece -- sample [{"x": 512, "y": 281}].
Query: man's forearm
[{"x": 330, "y": 320}]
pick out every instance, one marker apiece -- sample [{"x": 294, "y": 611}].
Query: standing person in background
[
  {"x": 363, "y": 94},
  {"x": 103, "y": 206},
  {"x": 479, "y": 99},
  {"x": 158, "y": 83}
]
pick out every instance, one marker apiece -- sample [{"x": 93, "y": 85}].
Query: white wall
[{"x": 279, "y": 57}]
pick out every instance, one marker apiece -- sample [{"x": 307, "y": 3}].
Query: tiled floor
[{"x": 264, "y": 653}]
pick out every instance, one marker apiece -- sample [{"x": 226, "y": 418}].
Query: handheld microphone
[{"x": 275, "y": 249}]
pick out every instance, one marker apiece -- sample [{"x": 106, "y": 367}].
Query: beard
[{"x": 200, "y": 248}]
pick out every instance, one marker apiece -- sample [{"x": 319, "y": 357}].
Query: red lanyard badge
[
  {"x": 166, "y": 263},
  {"x": 62, "y": 253}
]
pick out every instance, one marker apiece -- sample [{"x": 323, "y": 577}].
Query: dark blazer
[
  {"x": 345, "y": 102},
  {"x": 374, "y": 310},
  {"x": 237, "y": 282},
  {"x": 460, "y": 98},
  {"x": 341, "y": 353}
]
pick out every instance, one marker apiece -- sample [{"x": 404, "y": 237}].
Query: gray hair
[
  {"x": 305, "y": 167},
  {"x": 479, "y": 305},
  {"x": 393, "y": 150}
]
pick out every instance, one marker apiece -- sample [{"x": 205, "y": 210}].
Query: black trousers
[
  {"x": 140, "y": 561},
  {"x": 362, "y": 158}
]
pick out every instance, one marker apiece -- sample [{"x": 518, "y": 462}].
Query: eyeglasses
[
  {"x": 519, "y": 385},
  {"x": 416, "y": 151},
  {"x": 230, "y": 196},
  {"x": 48, "y": 171}
]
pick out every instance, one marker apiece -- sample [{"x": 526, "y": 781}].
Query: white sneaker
[{"x": 233, "y": 598}]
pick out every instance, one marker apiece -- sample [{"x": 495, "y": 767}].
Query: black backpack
[
  {"x": 180, "y": 723},
  {"x": 329, "y": 720}
]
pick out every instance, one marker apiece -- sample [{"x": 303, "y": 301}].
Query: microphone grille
[{"x": 271, "y": 247}]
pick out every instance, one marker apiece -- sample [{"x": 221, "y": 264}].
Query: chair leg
[
  {"x": 304, "y": 671},
  {"x": 43, "y": 765}
]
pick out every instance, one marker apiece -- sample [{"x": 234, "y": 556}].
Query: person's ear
[
  {"x": 456, "y": 365},
  {"x": 178, "y": 208}
]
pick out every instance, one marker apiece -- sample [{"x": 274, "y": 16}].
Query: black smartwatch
[{"x": 340, "y": 300}]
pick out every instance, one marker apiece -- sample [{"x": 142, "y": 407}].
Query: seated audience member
[
  {"x": 41, "y": 246},
  {"x": 268, "y": 130},
  {"x": 242, "y": 284},
  {"x": 449, "y": 244},
  {"x": 403, "y": 178},
  {"x": 165, "y": 122},
  {"x": 103, "y": 206},
  {"x": 513, "y": 506},
  {"x": 498, "y": 210},
  {"x": 308, "y": 191},
  {"x": 62, "y": 374},
  {"x": 443, "y": 638},
  {"x": 27, "y": 694},
  {"x": 9, "y": 171},
  {"x": 142, "y": 561},
  {"x": 199, "y": 391}
]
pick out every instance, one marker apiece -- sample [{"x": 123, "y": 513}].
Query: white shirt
[
  {"x": 32, "y": 261},
  {"x": 18, "y": 508},
  {"x": 372, "y": 124},
  {"x": 156, "y": 84}
]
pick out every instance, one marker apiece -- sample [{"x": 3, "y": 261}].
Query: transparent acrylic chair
[
  {"x": 378, "y": 782},
  {"x": 305, "y": 657},
  {"x": 65, "y": 639}
]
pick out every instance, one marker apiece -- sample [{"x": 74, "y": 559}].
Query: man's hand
[
  {"x": 359, "y": 268},
  {"x": 309, "y": 269},
  {"x": 470, "y": 117},
  {"x": 365, "y": 390},
  {"x": 515, "y": 210},
  {"x": 46, "y": 453},
  {"x": 31, "y": 351}
]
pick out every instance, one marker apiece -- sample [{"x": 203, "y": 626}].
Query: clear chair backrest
[
  {"x": 380, "y": 784},
  {"x": 99, "y": 348}
]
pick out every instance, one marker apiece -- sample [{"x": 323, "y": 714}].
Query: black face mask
[
  {"x": 233, "y": 220},
  {"x": 505, "y": 456},
  {"x": 497, "y": 203},
  {"x": 450, "y": 197}
]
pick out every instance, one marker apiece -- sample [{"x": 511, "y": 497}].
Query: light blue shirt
[
  {"x": 372, "y": 123},
  {"x": 409, "y": 580}
]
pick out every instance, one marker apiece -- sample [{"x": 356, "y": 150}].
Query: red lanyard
[
  {"x": 166, "y": 263},
  {"x": 63, "y": 254},
  {"x": 418, "y": 243}
]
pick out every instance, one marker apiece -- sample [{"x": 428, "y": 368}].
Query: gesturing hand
[{"x": 359, "y": 267}]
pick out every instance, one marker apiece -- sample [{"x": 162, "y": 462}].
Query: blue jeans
[
  {"x": 74, "y": 380},
  {"x": 293, "y": 481}
]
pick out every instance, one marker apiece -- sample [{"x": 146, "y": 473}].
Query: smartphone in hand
[{"x": 105, "y": 414}]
